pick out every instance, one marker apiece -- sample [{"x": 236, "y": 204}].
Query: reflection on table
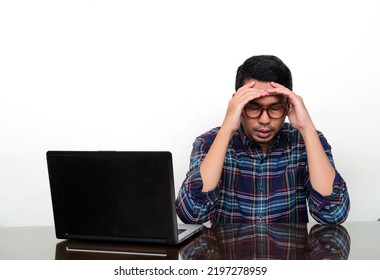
[
  {"x": 269, "y": 241},
  {"x": 228, "y": 241},
  {"x": 83, "y": 250}
]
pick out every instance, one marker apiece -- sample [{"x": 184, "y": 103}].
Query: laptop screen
[{"x": 112, "y": 195}]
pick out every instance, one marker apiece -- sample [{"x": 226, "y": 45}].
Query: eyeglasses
[{"x": 254, "y": 111}]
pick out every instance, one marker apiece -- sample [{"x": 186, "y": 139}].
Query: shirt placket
[{"x": 261, "y": 183}]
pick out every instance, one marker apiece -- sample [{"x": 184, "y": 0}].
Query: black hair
[{"x": 264, "y": 68}]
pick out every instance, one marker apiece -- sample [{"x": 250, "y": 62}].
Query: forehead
[{"x": 267, "y": 100}]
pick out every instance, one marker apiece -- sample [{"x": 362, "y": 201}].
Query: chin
[{"x": 263, "y": 140}]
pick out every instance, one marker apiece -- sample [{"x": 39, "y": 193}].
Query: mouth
[{"x": 263, "y": 133}]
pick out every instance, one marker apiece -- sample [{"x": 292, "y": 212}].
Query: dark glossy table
[{"x": 351, "y": 240}]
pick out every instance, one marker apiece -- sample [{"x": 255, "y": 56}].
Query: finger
[
  {"x": 276, "y": 85},
  {"x": 248, "y": 96},
  {"x": 283, "y": 91},
  {"x": 240, "y": 99},
  {"x": 244, "y": 87},
  {"x": 250, "y": 84},
  {"x": 248, "y": 91},
  {"x": 292, "y": 98}
]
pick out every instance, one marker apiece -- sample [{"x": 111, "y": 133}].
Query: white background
[{"x": 153, "y": 75}]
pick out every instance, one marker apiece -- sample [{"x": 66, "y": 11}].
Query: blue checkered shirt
[{"x": 257, "y": 187}]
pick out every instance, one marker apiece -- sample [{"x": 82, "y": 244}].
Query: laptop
[{"x": 115, "y": 196}]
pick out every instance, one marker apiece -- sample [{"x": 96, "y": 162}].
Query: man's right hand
[
  {"x": 236, "y": 105},
  {"x": 212, "y": 165}
]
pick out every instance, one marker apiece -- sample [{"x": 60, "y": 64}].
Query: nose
[{"x": 264, "y": 118}]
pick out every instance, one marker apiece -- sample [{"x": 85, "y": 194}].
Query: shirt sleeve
[
  {"x": 332, "y": 209},
  {"x": 193, "y": 205}
]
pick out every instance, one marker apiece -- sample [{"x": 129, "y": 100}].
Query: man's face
[{"x": 263, "y": 129}]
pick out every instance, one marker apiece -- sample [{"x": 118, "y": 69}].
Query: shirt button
[
  {"x": 260, "y": 216},
  {"x": 261, "y": 188}
]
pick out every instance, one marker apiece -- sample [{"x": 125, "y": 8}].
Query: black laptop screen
[{"x": 112, "y": 194}]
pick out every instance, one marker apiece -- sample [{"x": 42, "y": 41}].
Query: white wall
[{"x": 153, "y": 75}]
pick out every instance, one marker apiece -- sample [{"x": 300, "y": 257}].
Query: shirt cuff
[
  {"x": 332, "y": 200},
  {"x": 196, "y": 193}
]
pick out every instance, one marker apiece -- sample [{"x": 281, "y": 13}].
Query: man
[{"x": 257, "y": 168}]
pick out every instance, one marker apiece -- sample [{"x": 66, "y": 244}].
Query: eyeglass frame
[{"x": 266, "y": 108}]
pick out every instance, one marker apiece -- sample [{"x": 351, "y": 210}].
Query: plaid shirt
[
  {"x": 257, "y": 187},
  {"x": 269, "y": 241}
]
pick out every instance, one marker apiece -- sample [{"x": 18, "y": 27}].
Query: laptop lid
[{"x": 115, "y": 196}]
